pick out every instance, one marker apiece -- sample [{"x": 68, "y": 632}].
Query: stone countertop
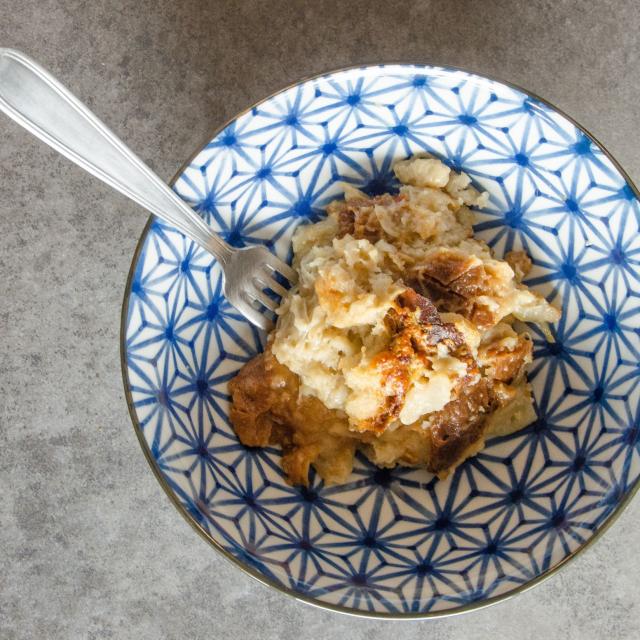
[{"x": 89, "y": 544}]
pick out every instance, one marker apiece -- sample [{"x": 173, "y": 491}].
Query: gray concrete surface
[{"x": 90, "y": 547}]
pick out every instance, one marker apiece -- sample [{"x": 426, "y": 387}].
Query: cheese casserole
[{"x": 403, "y": 338}]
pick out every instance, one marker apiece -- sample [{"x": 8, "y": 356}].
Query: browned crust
[
  {"x": 459, "y": 424},
  {"x": 520, "y": 262},
  {"x": 266, "y": 409},
  {"x": 416, "y": 329},
  {"x": 358, "y": 218},
  {"x": 506, "y": 365},
  {"x": 454, "y": 280}
]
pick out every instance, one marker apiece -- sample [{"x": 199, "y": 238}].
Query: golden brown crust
[
  {"x": 416, "y": 331},
  {"x": 454, "y": 281},
  {"x": 459, "y": 272},
  {"x": 520, "y": 262},
  {"x": 251, "y": 403},
  {"x": 357, "y": 217},
  {"x": 504, "y": 363},
  {"x": 453, "y": 429}
]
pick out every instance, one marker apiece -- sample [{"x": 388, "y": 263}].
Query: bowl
[{"x": 398, "y": 543}]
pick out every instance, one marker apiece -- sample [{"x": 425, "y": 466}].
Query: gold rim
[{"x": 604, "y": 527}]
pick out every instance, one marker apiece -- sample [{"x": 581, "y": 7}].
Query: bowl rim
[{"x": 254, "y": 573}]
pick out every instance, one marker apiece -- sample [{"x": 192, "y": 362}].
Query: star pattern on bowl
[{"x": 399, "y": 541}]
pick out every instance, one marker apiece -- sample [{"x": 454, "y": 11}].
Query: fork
[{"x": 37, "y": 101}]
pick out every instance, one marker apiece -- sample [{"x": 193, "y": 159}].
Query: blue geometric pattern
[{"x": 400, "y": 541}]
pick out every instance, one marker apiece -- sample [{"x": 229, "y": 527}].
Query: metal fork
[{"x": 37, "y": 101}]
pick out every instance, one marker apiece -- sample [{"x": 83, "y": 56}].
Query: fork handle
[{"x": 36, "y": 100}]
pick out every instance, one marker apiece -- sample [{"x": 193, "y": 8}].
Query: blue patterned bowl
[{"x": 398, "y": 543}]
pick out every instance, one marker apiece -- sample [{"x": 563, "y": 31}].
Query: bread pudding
[{"x": 403, "y": 339}]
